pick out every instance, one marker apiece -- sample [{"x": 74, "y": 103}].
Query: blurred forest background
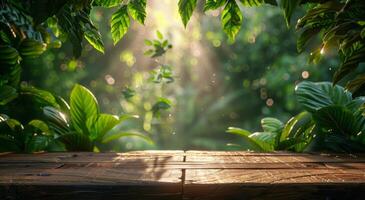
[{"x": 217, "y": 83}]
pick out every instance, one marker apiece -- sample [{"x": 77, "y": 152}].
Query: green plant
[
  {"x": 333, "y": 121},
  {"x": 341, "y": 26},
  {"x": 14, "y": 137},
  {"x": 81, "y": 126}
]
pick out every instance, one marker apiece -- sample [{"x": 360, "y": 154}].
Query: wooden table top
[{"x": 172, "y": 175}]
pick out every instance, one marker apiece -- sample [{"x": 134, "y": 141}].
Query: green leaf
[
  {"x": 43, "y": 97},
  {"x": 186, "y": 9},
  {"x": 252, "y": 3},
  {"x": 270, "y": 124},
  {"x": 56, "y": 120},
  {"x": 8, "y": 55},
  {"x": 231, "y": 19},
  {"x": 305, "y": 36},
  {"x": 107, "y": 3},
  {"x": 76, "y": 142},
  {"x": 314, "y": 96},
  {"x": 7, "y": 94},
  {"x": 338, "y": 120},
  {"x": 159, "y": 35},
  {"x": 102, "y": 125},
  {"x": 161, "y": 104},
  {"x": 116, "y": 136},
  {"x": 92, "y": 35},
  {"x": 288, "y": 7},
  {"x": 83, "y": 106},
  {"x": 40, "y": 125},
  {"x": 137, "y": 9},
  {"x": 30, "y": 48},
  {"x": 255, "y": 144},
  {"x": 120, "y": 23},
  {"x": 265, "y": 139},
  {"x": 213, "y": 4},
  {"x": 295, "y": 126}
]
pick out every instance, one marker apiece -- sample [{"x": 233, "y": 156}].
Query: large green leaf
[
  {"x": 137, "y": 10},
  {"x": 186, "y": 9},
  {"x": 115, "y": 136},
  {"x": 101, "y": 125},
  {"x": 120, "y": 23},
  {"x": 338, "y": 120},
  {"x": 43, "y": 97},
  {"x": 231, "y": 19},
  {"x": 314, "y": 96},
  {"x": 83, "y": 106}
]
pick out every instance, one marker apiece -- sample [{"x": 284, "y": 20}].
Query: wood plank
[{"x": 77, "y": 175}]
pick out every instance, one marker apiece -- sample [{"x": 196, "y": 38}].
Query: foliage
[
  {"x": 34, "y": 136},
  {"x": 86, "y": 126},
  {"x": 333, "y": 121},
  {"x": 340, "y": 25}
]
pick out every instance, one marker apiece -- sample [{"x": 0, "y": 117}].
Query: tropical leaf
[
  {"x": 83, "y": 106},
  {"x": 186, "y": 9},
  {"x": 270, "y": 124},
  {"x": 115, "y": 136},
  {"x": 231, "y": 19},
  {"x": 338, "y": 120},
  {"x": 314, "y": 96},
  {"x": 137, "y": 10},
  {"x": 8, "y": 55},
  {"x": 120, "y": 23}
]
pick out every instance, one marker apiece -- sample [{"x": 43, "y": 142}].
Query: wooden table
[{"x": 198, "y": 175}]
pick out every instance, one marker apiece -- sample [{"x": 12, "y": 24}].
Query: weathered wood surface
[{"x": 198, "y": 175}]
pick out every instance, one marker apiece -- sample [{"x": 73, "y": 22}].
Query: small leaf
[
  {"x": 120, "y": 23},
  {"x": 137, "y": 9},
  {"x": 159, "y": 35},
  {"x": 92, "y": 35},
  {"x": 231, "y": 19},
  {"x": 186, "y": 9},
  {"x": 161, "y": 104}
]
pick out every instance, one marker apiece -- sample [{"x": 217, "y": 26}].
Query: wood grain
[{"x": 198, "y": 175}]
